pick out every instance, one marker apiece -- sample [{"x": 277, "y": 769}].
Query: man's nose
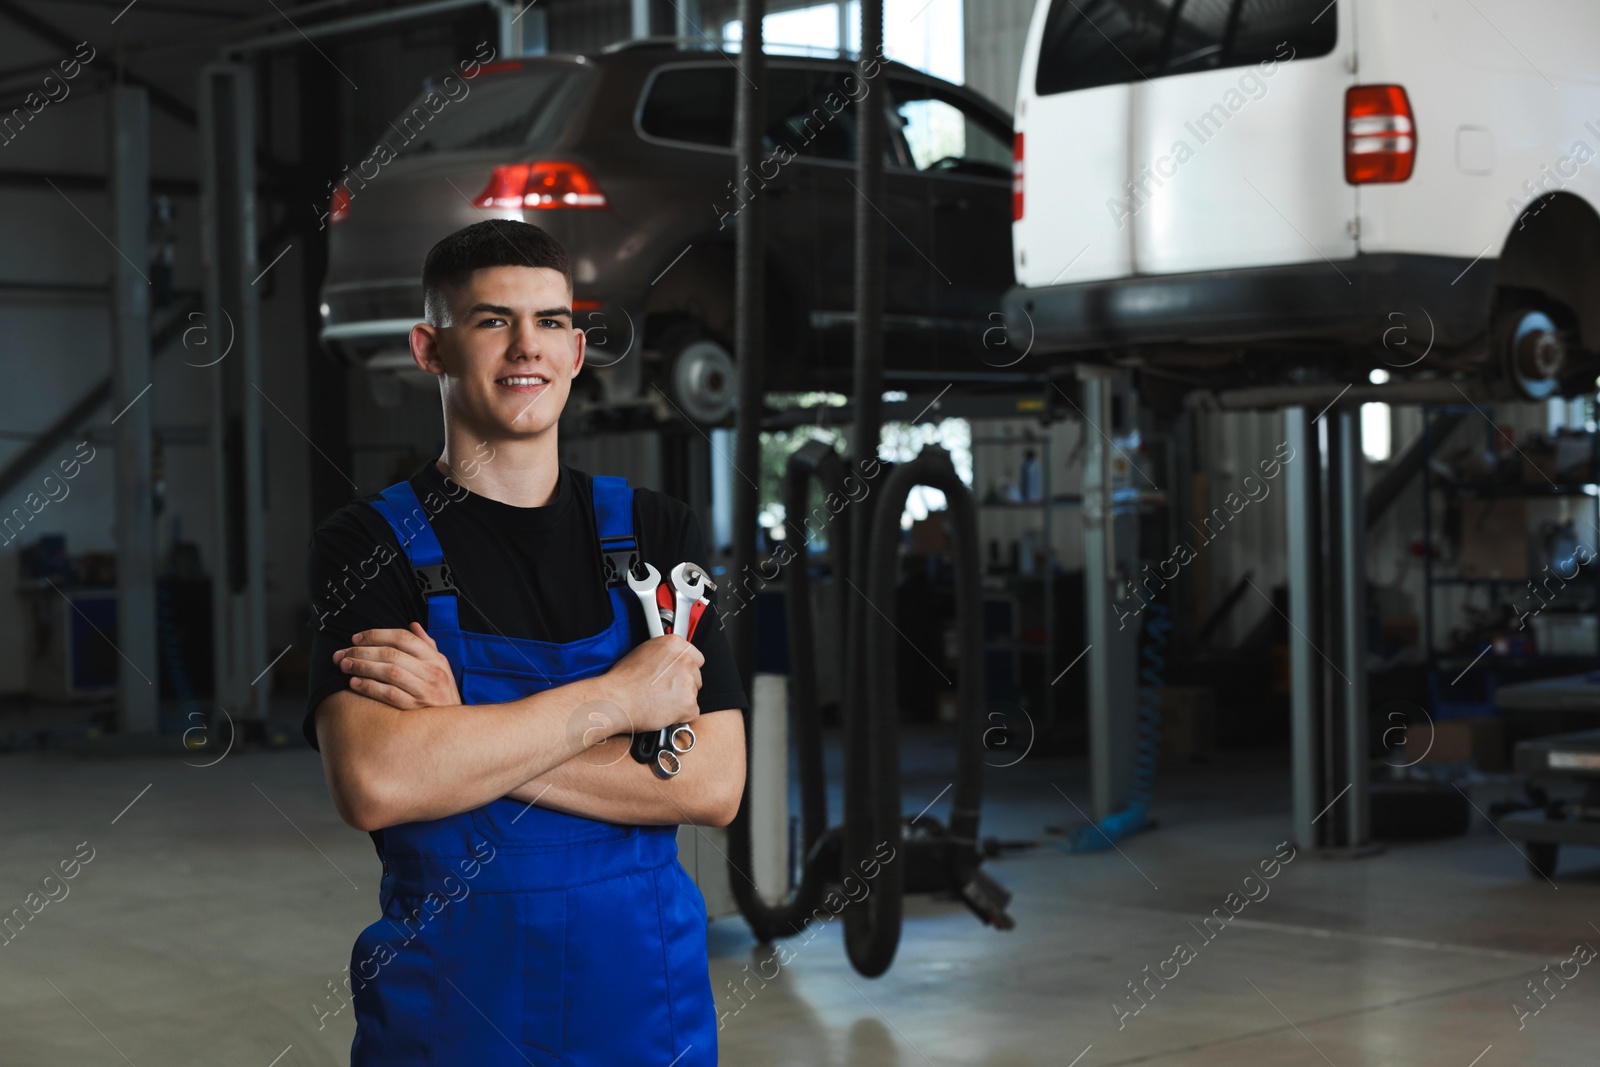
[{"x": 525, "y": 343}]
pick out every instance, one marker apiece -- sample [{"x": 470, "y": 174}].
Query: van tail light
[
  {"x": 541, "y": 186},
  {"x": 1380, "y": 135},
  {"x": 339, "y": 205},
  {"x": 1016, "y": 181}
]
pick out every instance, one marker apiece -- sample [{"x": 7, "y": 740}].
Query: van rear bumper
[{"x": 1352, "y": 301}]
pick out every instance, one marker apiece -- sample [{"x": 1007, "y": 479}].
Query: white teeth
[{"x": 525, "y": 381}]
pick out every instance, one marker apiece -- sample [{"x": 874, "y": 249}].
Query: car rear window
[
  {"x": 809, "y": 110},
  {"x": 693, "y": 104},
  {"x": 494, "y": 110},
  {"x": 1108, "y": 42}
]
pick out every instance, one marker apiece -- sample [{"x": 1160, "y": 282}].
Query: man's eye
[
  {"x": 554, "y": 324},
  {"x": 491, "y": 322}
]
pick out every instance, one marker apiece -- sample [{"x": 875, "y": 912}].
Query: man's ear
[
  {"x": 425, "y": 349},
  {"x": 580, "y": 342}
]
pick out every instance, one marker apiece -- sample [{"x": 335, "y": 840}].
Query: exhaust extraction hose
[{"x": 872, "y": 757}]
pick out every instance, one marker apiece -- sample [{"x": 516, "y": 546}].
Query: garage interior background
[{"x": 331, "y": 432}]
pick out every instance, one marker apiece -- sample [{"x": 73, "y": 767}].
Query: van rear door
[
  {"x": 1166, "y": 136},
  {"x": 1073, "y": 108},
  {"x": 1237, "y": 142}
]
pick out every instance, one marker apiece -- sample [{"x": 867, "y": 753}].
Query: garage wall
[{"x": 54, "y": 348}]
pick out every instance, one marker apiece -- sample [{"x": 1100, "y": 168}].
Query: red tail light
[
  {"x": 1380, "y": 135},
  {"x": 541, "y": 186},
  {"x": 339, "y": 206},
  {"x": 1016, "y": 181}
]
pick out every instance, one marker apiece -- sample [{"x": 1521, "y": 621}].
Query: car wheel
[
  {"x": 1532, "y": 352},
  {"x": 701, "y": 377}
]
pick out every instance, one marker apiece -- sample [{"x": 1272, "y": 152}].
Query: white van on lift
[{"x": 1261, "y": 192}]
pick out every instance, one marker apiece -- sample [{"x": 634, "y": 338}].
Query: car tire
[{"x": 701, "y": 379}]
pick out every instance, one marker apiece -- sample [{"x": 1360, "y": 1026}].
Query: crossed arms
[{"x": 400, "y": 746}]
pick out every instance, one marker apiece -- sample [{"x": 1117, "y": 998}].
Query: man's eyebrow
[{"x": 497, "y": 309}]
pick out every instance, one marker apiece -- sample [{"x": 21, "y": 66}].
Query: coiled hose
[
  {"x": 814, "y": 460},
  {"x": 872, "y": 751},
  {"x": 1096, "y": 837}
]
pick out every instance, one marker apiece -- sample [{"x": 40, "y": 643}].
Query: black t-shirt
[{"x": 527, "y": 573}]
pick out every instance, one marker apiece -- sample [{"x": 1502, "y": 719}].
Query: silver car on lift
[{"x": 627, "y": 158}]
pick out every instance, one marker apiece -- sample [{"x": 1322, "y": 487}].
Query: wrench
[
  {"x": 690, "y": 590},
  {"x": 646, "y": 592},
  {"x": 663, "y": 749}
]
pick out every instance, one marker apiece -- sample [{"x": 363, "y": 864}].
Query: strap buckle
[
  {"x": 435, "y": 580},
  {"x": 620, "y": 555}
]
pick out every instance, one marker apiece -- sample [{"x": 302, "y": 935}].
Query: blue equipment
[{"x": 1096, "y": 837}]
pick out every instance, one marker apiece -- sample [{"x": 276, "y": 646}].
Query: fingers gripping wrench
[{"x": 663, "y": 749}]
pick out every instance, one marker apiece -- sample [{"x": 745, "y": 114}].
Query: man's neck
[{"x": 521, "y": 473}]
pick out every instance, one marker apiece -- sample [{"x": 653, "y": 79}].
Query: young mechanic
[{"x": 478, "y": 667}]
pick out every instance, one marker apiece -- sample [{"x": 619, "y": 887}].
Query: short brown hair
[{"x": 490, "y": 243}]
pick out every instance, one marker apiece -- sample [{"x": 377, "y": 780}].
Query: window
[
  {"x": 810, "y": 111},
  {"x": 928, "y": 35},
  {"x": 693, "y": 104},
  {"x": 1377, "y": 432},
  {"x": 498, "y": 111},
  {"x": 944, "y": 137},
  {"x": 1087, "y": 43},
  {"x": 1100, "y": 42},
  {"x": 1198, "y": 30},
  {"x": 810, "y": 30}
]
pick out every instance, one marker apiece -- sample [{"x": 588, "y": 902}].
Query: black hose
[
  {"x": 768, "y": 922},
  {"x": 872, "y": 756},
  {"x": 818, "y": 461}
]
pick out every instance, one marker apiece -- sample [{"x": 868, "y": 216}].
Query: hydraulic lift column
[
  {"x": 137, "y": 692},
  {"x": 232, "y": 317},
  {"x": 1111, "y": 562},
  {"x": 1326, "y": 503}
]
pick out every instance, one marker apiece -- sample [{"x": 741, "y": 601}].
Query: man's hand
[
  {"x": 658, "y": 683},
  {"x": 402, "y": 668}
]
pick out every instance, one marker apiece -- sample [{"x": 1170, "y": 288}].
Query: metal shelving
[{"x": 1446, "y": 666}]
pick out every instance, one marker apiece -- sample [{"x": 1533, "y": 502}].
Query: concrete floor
[{"x": 218, "y": 907}]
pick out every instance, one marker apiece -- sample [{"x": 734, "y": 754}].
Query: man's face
[{"x": 506, "y": 359}]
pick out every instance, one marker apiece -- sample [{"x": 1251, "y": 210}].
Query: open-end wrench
[
  {"x": 690, "y": 590},
  {"x": 646, "y": 592}
]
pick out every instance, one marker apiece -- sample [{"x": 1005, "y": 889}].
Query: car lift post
[
  {"x": 232, "y": 324},
  {"x": 1113, "y": 619},
  {"x": 138, "y": 693},
  {"x": 1326, "y": 525}
]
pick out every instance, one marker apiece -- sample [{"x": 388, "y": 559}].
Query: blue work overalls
[{"x": 513, "y": 934}]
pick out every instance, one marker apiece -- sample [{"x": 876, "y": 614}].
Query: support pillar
[
  {"x": 1110, "y": 551},
  {"x": 1327, "y": 633},
  {"x": 228, "y": 214},
  {"x": 138, "y": 694}
]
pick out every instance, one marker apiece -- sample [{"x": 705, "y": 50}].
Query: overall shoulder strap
[
  {"x": 613, "y": 516},
  {"x": 403, "y": 511}
]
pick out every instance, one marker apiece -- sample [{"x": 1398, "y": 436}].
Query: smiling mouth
[{"x": 523, "y": 383}]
